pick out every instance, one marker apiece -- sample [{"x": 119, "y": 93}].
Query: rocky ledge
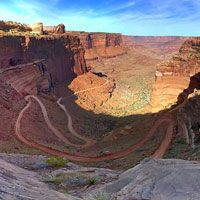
[
  {"x": 176, "y": 75},
  {"x": 22, "y": 177}
]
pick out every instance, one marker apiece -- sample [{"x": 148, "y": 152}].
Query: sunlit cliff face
[
  {"x": 176, "y": 75},
  {"x": 137, "y": 85}
]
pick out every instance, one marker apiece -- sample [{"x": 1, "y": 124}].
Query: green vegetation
[
  {"x": 178, "y": 148},
  {"x": 57, "y": 180},
  {"x": 92, "y": 180},
  {"x": 56, "y": 161},
  {"x": 67, "y": 180},
  {"x": 100, "y": 196},
  {"x": 181, "y": 150}
]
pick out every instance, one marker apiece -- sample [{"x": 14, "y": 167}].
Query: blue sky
[{"x": 131, "y": 17}]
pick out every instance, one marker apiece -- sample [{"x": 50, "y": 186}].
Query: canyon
[
  {"x": 175, "y": 75},
  {"x": 101, "y": 100}
]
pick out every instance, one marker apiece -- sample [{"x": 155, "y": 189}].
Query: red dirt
[{"x": 80, "y": 158}]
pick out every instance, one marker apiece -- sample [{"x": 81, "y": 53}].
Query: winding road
[
  {"x": 49, "y": 124},
  {"x": 88, "y": 142},
  {"x": 159, "y": 153},
  {"x": 77, "y": 157}
]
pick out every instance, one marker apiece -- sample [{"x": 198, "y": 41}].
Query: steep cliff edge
[
  {"x": 62, "y": 60},
  {"x": 174, "y": 76},
  {"x": 64, "y": 55},
  {"x": 100, "y": 45}
]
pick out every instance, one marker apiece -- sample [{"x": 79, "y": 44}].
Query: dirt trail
[
  {"x": 93, "y": 88},
  {"x": 78, "y": 157},
  {"x": 81, "y": 158},
  {"x": 160, "y": 152},
  {"x": 88, "y": 141},
  {"x": 48, "y": 122}
]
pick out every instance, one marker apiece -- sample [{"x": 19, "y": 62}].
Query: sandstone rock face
[
  {"x": 49, "y": 29},
  {"x": 64, "y": 56},
  {"x": 8, "y": 26},
  {"x": 101, "y": 45},
  {"x": 37, "y": 28},
  {"x": 152, "y": 179},
  {"x": 18, "y": 183},
  {"x": 174, "y": 76},
  {"x": 10, "y": 105},
  {"x": 98, "y": 91},
  {"x": 156, "y": 180},
  {"x": 60, "y": 29}
]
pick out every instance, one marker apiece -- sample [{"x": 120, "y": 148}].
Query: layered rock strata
[
  {"x": 63, "y": 59},
  {"x": 164, "y": 43},
  {"x": 100, "y": 45},
  {"x": 177, "y": 75}
]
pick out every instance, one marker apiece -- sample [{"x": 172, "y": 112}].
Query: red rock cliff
[
  {"x": 164, "y": 43},
  {"x": 173, "y": 76},
  {"x": 64, "y": 54},
  {"x": 100, "y": 45}
]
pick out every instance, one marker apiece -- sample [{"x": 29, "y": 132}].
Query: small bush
[
  {"x": 56, "y": 161},
  {"x": 57, "y": 180},
  {"x": 92, "y": 180}
]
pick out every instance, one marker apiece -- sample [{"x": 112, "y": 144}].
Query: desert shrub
[
  {"x": 92, "y": 180},
  {"x": 58, "y": 179},
  {"x": 67, "y": 180},
  {"x": 56, "y": 161}
]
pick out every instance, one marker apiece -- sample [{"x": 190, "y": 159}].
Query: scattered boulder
[
  {"x": 37, "y": 28},
  {"x": 60, "y": 29}
]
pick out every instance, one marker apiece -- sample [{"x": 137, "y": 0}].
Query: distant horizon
[{"x": 131, "y": 17}]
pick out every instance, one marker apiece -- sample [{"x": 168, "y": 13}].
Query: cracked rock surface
[
  {"x": 152, "y": 179},
  {"x": 156, "y": 180},
  {"x": 20, "y": 184}
]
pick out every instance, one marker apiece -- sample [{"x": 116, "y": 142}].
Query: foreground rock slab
[
  {"x": 152, "y": 179},
  {"x": 17, "y": 183},
  {"x": 156, "y": 180}
]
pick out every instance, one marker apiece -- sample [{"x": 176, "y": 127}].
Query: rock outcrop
[
  {"x": 100, "y": 45},
  {"x": 150, "y": 180},
  {"x": 98, "y": 91},
  {"x": 174, "y": 76},
  {"x": 156, "y": 180},
  {"x": 63, "y": 56},
  {"x": 18, "y": 183},
  {"x": 60, "y": 29},
  {"x": 37, "y": 28},
  {"x": 13, "y": 26}
]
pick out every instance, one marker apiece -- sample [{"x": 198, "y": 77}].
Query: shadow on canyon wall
[
  {"x": 194, "y": 84},
  {"x": 100, "y": 124}
]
